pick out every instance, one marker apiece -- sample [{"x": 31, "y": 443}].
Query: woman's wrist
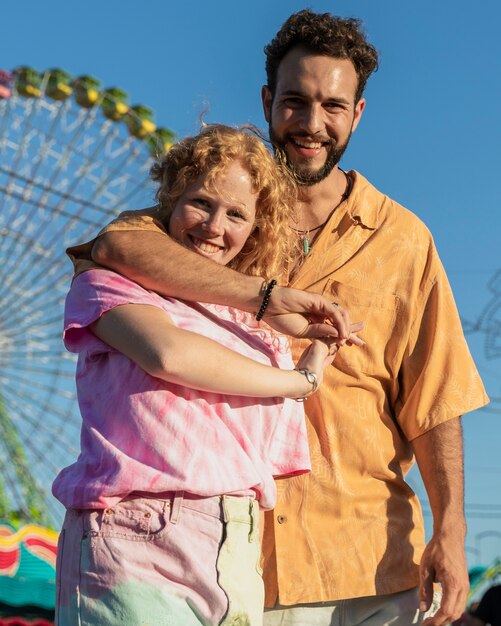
[{"x": 311, "y": 379}]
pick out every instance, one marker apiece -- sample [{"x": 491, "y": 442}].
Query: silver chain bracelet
[{"x": 312, "y": 378}]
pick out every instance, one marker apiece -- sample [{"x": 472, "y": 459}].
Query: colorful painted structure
[
  {"x": 27, "y": 574},
  {"x": 482, "y": 576}
]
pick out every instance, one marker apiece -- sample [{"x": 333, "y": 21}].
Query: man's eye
[
  {"x": 333, "y": 106},
  {"x": 293, "y": 102}
]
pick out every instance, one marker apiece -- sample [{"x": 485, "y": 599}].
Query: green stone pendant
[{"x": 306, "y": 244}]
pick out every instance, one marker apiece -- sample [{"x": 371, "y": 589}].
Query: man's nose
[{"x": 311, "y": 119}]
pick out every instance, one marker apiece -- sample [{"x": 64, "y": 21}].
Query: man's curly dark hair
[{"x": 325, "y": 34}]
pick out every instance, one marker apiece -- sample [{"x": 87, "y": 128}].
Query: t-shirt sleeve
[
  {"x": 145, "y": 219},
  {"x": 92, "y": 294},
  {"x": 438, "y": 379}
]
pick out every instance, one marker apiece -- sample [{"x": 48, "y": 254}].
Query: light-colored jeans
[
  {"x": 396, "y": 609},
  {"x": 176, "y": 561}
]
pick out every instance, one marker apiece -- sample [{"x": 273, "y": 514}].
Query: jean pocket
[{"x": 140, "y": 519}]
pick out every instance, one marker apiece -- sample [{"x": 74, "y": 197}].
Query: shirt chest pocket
[{"x": 379, "y": 312}]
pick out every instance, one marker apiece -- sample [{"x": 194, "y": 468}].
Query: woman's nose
[{"x": 214, "y": 223}]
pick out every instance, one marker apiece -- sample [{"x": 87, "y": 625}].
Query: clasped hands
[{"x": 307, "y": 315}]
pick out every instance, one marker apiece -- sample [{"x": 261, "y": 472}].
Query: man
[{"x": 345, "y": 544}]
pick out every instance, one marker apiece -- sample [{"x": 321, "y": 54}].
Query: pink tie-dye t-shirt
[{"x": 140, "y": 433}]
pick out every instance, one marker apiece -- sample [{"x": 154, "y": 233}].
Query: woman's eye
[
  {"x": 238, "y": 214},
  {"x": 201, "y": 202}
]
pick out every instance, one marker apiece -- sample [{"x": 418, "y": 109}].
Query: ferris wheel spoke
[
  {"x": 49, "y": 427},
  {"x": 40, "y": 446},
  {"x": 22, "y": 325},
  {"x": 13, "y": 490},
  {"x": 33, "y": 342},
  {"x": 18, "y": 142},
  {"x": 23, "y": 384},
  {"x": 4, "y": 496},
  {"x": 16, "y": 451},
  {"x": 50, "y": 372},
  {"x": 31, "y": 278},
  {"x": 21, "y": 131},
  {"x": 5, "y": 122},
  {"x": 60, "y": 280},
  {"x": 29, "y": 182},
  {"x": 62, "y": 195},
  {"x": 101, "y": 187},
  {"x": 50, "y": 208}
]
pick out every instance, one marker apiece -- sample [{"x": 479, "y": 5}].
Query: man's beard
[{"x": 304, "y": 176}]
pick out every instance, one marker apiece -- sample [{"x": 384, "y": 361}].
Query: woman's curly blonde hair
[{"x": 268, "y": 252}]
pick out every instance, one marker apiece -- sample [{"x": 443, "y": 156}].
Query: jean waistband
[{"x": 226, "y": 507}]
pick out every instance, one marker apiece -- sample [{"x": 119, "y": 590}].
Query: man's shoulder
[
  {"x": 138, "y": 217},
  {"x": 148, "y": 219},
  {"x": 378, "y": 209}
]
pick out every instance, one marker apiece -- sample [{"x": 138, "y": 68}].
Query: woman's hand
[
  {"x": 317, "y": 356},
  {"x": 322, "y": 351}
]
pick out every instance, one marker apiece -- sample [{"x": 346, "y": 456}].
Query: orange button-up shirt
[{"x": 353, "y": 527}]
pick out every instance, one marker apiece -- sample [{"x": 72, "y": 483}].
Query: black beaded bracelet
[{"x": 266, "y": 299}]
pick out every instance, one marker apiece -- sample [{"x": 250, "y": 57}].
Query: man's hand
[
  {"x": 444, "y": 562},
  {"x": 439, "y": 454},
  {"x": 303, "y": 314}
]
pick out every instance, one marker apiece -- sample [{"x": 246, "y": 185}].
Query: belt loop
[
  {"x": 226, "y": 514},
  {"x": 253, "y": 521},
  {"x": 177, "y": 503}
]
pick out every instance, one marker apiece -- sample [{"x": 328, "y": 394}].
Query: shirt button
[{"x": 281, "y": 519}]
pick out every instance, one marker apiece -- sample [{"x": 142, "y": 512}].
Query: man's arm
[
  {"x": 439, "y": 454},
  {"x": 160, "y": 264}
]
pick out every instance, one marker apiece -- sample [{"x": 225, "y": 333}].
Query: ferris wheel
[{"x": 72, "y": 156}]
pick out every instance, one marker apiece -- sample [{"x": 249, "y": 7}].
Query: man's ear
[
  {"x": 267, "y": 100},
  {"x": 359, "y": 109}
]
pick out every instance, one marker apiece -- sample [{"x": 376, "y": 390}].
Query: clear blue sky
[{"x": 430, "y": 136}]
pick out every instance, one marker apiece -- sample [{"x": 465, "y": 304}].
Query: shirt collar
[{"x": 364, "y": 202}]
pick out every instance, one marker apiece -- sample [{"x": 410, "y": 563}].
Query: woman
[{"x": 182, "y": 434}]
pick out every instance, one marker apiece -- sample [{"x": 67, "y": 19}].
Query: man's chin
[{"x": 308, "y": 176}]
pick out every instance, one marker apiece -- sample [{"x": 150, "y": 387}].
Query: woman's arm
[{"x": 146, "y": 335}]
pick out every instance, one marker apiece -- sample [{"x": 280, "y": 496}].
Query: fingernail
[{"x": 422, "y": 607}]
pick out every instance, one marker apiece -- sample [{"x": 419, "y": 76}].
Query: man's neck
[{"x": 316, "y": 202}]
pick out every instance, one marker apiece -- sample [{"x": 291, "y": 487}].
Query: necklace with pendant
[{"x": 305, "y": 234}]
